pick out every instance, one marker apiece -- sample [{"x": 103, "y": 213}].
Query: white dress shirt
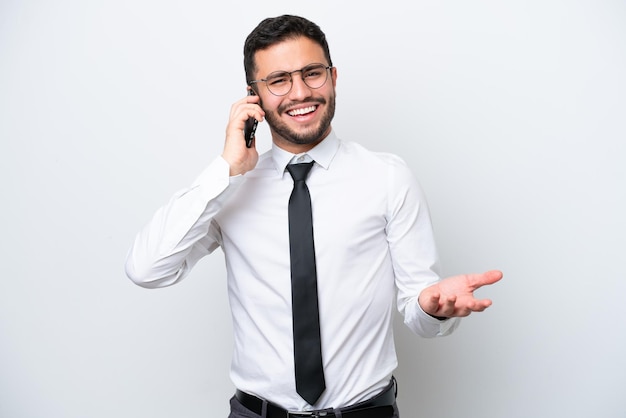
[{"x": 373, "y": 241}]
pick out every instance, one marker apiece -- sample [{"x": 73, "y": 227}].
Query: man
[{"x": 372, "y": 242}]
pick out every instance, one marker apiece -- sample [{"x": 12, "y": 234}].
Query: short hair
[{"x": 274, "y": 30}]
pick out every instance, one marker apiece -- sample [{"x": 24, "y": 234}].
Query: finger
[
  {"x": 447, "y": 306},
  {"x": 429, "y": 301},
  {"x": 481, "y": 305},
  {"x": 245, "y": 108},
  {"x": 243, "y": 112},
  {"x": 484, "y": 279},
  {"x": 433, "y": 303},
  {"x": 475, "y": 306},
  {"x": 252, "y": 98}
]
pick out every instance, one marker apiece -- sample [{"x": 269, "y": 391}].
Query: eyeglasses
[{"x": 279, "y": 83}]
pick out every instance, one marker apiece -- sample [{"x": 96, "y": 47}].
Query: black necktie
[{"x": 306, "y": 324}]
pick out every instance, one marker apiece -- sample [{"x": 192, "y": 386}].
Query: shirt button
[{"x": 300, "y": 158}]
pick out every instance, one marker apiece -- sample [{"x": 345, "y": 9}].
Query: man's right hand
[{"x": 241, "y": 158}]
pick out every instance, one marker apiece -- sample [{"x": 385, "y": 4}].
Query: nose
[{"x": 299, "y": 89}]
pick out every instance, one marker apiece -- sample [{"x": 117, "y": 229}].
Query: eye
[
  {"x": 313, "y": 72},
  {"x": 277, "y": 79}
]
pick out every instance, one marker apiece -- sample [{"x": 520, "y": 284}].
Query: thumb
[{"x": 484, "y": 279}]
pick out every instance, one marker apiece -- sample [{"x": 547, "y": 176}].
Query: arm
[
  {"x": 431, "y": 307},
  {"x": 413, "y": 250},
  {"x": 182, "y": 232}
]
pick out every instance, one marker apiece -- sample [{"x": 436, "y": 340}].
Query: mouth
[{"x": 302, "y": 111}]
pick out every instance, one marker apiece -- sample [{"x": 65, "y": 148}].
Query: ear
[{"x": 333, "y": 74}]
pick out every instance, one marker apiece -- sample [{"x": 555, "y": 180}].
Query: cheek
[{"x": 269, "y": 103}]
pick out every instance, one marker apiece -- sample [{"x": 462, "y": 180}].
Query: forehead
[{"x": 289, "y": 55}]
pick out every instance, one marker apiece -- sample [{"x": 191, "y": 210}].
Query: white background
[{"x": 512, "y": 115}]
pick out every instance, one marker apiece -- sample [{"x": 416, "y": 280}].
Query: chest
[{"x": 347, "y": 212}]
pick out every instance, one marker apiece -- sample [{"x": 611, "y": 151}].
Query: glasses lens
[
  {"x": 315, "y": 75},
  {"x": 279, "y": 83}
]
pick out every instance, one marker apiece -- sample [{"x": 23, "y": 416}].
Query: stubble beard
[{"x": 311, "y": 135}]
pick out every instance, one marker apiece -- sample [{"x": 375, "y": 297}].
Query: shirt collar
[{"x": 323, "y": 154}]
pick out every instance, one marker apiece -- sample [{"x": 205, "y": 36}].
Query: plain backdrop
[{"x": 511, "y": 114}]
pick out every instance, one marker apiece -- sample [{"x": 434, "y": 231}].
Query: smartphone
[{"x": 250, "y": 127}]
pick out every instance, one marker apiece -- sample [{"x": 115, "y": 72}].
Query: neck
[{"x": 296, "y": 148}]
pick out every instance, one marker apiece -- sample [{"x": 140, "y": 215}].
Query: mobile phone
[{"x": 250, "y": 127}]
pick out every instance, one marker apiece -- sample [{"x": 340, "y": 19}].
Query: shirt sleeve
[
  {"x": 413, "y": 251},
  {"x": 181, "y": 232}
]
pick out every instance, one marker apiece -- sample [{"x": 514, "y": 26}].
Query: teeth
[{"x": 304, "y": 110}]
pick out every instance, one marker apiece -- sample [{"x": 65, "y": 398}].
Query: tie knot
[{"x": 299, "y": 171}]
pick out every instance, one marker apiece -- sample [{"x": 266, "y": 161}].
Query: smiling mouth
[{"x": 302, "y": 111}]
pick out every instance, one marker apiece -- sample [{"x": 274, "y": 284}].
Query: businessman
[{"x": 320, "y": 237}]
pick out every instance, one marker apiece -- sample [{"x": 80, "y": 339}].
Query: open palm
[{"x": 454, "y": 296}]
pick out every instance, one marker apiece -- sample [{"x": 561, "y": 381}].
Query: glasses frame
[{"x": 290, "y": 74}]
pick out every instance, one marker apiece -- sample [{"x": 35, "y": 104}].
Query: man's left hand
[{"x": 454, "y": 296}]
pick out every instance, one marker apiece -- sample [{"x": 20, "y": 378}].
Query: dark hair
[{"x": 274, "y": 30}]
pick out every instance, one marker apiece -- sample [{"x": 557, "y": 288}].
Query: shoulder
[
  {"x": 357, "y": 153},
  {"x": 265, "y": 167},
  {"x": 383, "y": 172}
]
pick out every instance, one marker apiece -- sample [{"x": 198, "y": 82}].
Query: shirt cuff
[{"x": 443, "y": 326}]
